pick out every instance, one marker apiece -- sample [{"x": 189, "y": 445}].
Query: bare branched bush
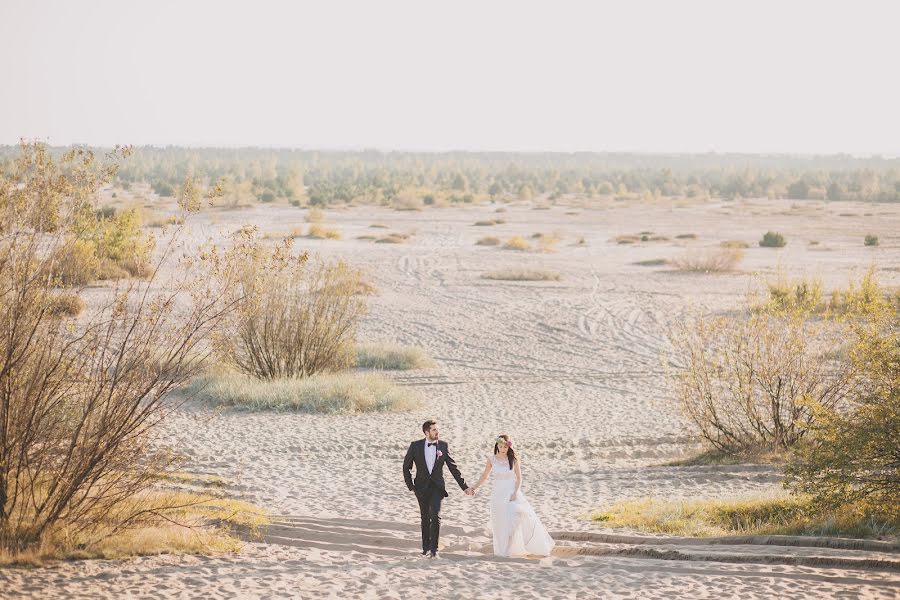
[
  {"x": 79, "y": 409},
  {"x": 713, "y": 260},
  {"x": 299, "y": 317},
  {"x": 748, "y": 383}
]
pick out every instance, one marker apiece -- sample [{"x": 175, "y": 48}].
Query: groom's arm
[
  {"x": 454, "y": 470},
  {"x": 407, "y": 468}
]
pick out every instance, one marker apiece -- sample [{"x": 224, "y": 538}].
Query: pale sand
[{"x": 570, "y": 369}]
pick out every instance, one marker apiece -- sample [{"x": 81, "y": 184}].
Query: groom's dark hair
[{"x": 427, "y": 425}]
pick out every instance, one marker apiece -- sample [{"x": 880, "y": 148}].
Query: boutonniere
[{"x": 439, "y": 454}]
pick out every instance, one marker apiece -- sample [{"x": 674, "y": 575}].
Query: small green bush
[
  {"x": 871, "y": 240},
  {"x": 772, "y": 239}
]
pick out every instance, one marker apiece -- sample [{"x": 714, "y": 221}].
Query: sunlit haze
[{"x": 646, "y": 76}]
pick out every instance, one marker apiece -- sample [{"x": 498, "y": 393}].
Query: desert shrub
[
  {"x": 327, "y": 393},
  {"x": 547, "y": 242},
  {"x": 393, "y": 238},
  {"x": 788, "y": 295},
  {"x": 871, "y": 240},
  {"x": 627, "y": 239},
  {"x": 74, "y": 263},
  {"x": 407, "y": 201},
  {"x": 686, "y": 236},
  {"x": 65, "y": 305},
  {"x": 772, "y": 239},
  {"x": 709, "y": 261},
  {"x": 392, "y": 357},
  {"x": 748, "y": 383},
  {"x": 378, "y": 226},
  {"x": 108, "y": 270},
  {"x": 489, "y": 222},
  {"x": 320, "y": 232},
  {"x": 80, "y": 409},
  {"x": 734, "y": 244},
  {"x": 522, "y": 274},
  {"x": 853, "y": 456},
  {"x": 163, "y": 188},
  {"x": 315, "y": 215},
  {"x": 298, "y": 318},
  {"x": 488, "y": 241},
  {"x": 653, "y": 262},
  {"x": 517, "y": 242}
]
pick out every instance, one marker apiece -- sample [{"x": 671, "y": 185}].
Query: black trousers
[{"x": 430, "y": 510}]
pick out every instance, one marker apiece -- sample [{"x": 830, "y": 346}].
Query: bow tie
[{"x": 431, "y": 443}]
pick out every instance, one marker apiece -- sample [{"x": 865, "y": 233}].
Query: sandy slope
[{"x": 571, "y": 369}]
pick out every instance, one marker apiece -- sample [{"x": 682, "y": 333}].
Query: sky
[{"x": 787, "y": 76}]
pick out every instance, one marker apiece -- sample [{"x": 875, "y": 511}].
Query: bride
[{"x": 516, "y": 528}]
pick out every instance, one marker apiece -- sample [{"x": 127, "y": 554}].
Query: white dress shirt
[{"x": 430, "y": 455}]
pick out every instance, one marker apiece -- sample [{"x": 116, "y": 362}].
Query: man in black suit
[{"x": 430, "y": 455}]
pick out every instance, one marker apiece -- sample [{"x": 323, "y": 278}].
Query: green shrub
[
  {"x": 772, "y": 240},
  {"x": 871, "y": 240}
]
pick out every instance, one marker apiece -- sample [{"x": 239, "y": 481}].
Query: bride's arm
[
  {"x": 484, "y": 475},
  {"x": 518, "y": 473}
]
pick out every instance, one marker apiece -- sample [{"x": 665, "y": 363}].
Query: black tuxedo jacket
[{"x": 416, "y": 456}]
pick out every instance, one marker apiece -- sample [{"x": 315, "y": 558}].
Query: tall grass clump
[
  {"x": 326, "y": 393},
  {"x": 392, "y": 357}
]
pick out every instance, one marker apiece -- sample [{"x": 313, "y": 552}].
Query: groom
[{"x": 430, "y": 455}]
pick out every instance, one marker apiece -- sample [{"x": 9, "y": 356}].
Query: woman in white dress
[{"x": 516, "y": 528}]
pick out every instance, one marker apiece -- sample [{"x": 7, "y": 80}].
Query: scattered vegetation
[
  {"x": 489, "y": 222},
  {"x": 871, "y": 240},
  {"x": 523, "y": 274},
  {"x": 734, "y": 244},
  {"x": 686, "y": 236}
]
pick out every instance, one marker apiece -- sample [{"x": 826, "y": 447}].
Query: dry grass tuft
[
  {"x": 761, "y": 515},
  {"x": 320, "y": 232},
  {"x": 392, "y": 357},
  {"x": 709, "y": 261},
  {"x": 393, "y": 238},
  {"x": 686, "y": 236},
  {"x": 334, "y": 393},
  {"x": 488, "y": 241},
  {"x": 522, "y": 274},
  {"x": 653, "y": 262},
  {"x": 66, "y": 305},
  {"x": 489, "y": 222},
  {"x": 734, "y": 244},
  {"x": 517, "y": 242}
]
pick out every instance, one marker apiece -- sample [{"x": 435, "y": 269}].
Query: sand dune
[{"x": 571, "y": 369}]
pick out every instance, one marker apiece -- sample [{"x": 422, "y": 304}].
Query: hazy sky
[{"x": 669, "y": 75}]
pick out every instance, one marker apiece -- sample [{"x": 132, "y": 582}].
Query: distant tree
[{"x": 799, "y": 190}]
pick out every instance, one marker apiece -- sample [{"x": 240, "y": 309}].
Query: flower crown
[{"x": 501, "y": 440}]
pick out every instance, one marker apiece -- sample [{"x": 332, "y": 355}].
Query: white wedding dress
[{"x": 516, "y": 528}]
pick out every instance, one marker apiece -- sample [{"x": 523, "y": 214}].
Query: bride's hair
[{"x": 510, "y": 453}]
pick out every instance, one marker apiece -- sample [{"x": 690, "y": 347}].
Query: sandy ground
[{"x": 571, "y": 369}]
